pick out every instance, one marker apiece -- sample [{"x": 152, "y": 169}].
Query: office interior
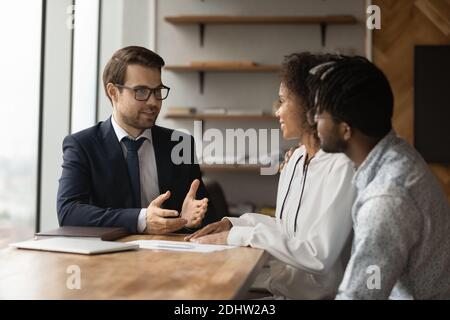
[{"x": 54, "y": 51}]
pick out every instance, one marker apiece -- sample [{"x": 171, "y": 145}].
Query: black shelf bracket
[
  {"x": 323, "y": 33},
  {"x": 201, "y": 78},
  {"x": 201, "y": 27}
]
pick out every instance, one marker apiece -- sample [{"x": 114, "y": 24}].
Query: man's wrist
[{"x": 142, "y": 221}]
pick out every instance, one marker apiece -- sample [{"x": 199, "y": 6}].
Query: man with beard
[
  {"x": 401, "y": 217},
  {"x": 120, "y": 172}
]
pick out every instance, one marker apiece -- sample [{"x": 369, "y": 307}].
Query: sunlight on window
[
  {"x": 20, "y": 28},
  {"x": 84, "y": 81}
]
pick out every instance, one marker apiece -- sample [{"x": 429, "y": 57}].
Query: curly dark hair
[{"x": 294, "y": 75}]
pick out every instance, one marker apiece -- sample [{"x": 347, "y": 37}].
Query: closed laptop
[{"x": 72, "y": 245}]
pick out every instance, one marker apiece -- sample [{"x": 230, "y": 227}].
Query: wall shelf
[
  {"x": 224, "y": 68},
  {"x": 250, "y": 168},
  {"x": 221, "y": 117},
  {"x": 202, "y": 21},
  {"x": 221, "y": 68}
]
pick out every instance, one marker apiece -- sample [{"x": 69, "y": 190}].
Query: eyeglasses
[{"x": 144, "y": 93}]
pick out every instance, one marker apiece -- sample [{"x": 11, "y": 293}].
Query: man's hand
[
  {"x": 216, "y": 227},
  {"x": 159, "y": 220},
  {"x": 215, "y": 238},
  {"x": 194, "y": 210}
]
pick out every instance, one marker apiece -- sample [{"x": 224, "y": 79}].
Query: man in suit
[{"x": 122, "y": 171}]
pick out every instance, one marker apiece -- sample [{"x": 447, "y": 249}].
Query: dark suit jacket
[{"x": 94, "y": 188}]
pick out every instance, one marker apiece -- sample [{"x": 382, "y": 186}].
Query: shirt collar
[
  {"x": 121, "y": 133},
  {"x": 319, "y": 154},
  {"x": 368, "y": 169}
]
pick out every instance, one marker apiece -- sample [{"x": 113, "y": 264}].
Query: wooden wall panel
[{"x": 404, "y": 24}]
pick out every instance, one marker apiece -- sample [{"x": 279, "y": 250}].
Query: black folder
[{"x": 106, "y": 234}]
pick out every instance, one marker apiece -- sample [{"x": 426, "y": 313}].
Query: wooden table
[{"x": 141, "y": 274}]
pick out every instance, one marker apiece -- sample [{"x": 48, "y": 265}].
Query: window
[
  {"x": 20, "y": 57},
  {"x": 85, "y": 57}
]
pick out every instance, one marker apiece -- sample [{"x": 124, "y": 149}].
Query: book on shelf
[
  {"x": 214, "y": 111},
  {"x": 267, "y": 210},
  {"x": 181, "y": 111},
  {"x": 229, "y": 64},
  {"x": 189, "y": 111},
  {"x": 245, "y": 112},
  {"x": 232, "y": 160}
]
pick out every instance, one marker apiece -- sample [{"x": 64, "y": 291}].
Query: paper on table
[{"x": 179, "y": 246}]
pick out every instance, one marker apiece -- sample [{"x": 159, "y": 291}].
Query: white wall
[
  {"x": 123, "y": 23},
  {"x": 265, "y": 44}
]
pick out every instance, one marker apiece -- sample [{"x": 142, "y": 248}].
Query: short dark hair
[
  {"x": 354, "y": 90},
  {"x": 295, "y": 74},
  {"x": 116, "y": 67}
]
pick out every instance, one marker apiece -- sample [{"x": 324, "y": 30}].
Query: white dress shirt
[
  {"x": 148, "y": 172},
  {"x": 312, "y": 226}
]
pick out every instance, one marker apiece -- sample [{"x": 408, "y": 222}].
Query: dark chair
[{"x": 217, "y": 198}]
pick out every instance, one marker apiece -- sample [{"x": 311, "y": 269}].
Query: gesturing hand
[
  {"x": 194, "y": 210},
  {"x": 159, "y": 220}
]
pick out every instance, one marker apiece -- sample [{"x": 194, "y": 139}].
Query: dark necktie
[{"x": 133, "y": 168}]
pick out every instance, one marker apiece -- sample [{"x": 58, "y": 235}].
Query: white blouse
[{"x": 312, "y": 226}]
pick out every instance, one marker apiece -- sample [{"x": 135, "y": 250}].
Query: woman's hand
[
  {"x": 215, "y": 238},
  {"x": 216, "y": 227}
]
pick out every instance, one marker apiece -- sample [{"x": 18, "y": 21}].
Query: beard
[
  {"x": 141, "y": 121},
  {"x": 332, "y": 143},
  {"x": 334, "y": 146}
]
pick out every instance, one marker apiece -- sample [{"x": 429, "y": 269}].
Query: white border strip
[{"x": 152, "y": 25}]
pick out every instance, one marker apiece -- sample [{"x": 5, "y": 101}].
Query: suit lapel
[
  {"x": 161, "y": 145},
  {"x": 118, "y": 166},
  {"x": 116, "y": 161}
]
